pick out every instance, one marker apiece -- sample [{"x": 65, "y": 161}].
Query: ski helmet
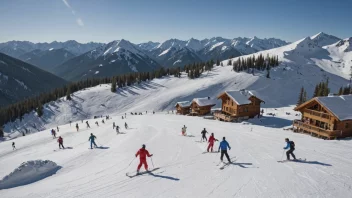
[{"x": 143, "y": 145}]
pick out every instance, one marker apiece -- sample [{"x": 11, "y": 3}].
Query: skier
[
  {"x": 122, "y": 117},
  {"x": 96, "y": 122},
  {"x": 126, "y": 126},
  {"x": 143, "y": 153},
  {"x": 13, "y": 146},
  {"x": 212, "y": 140},
  {"x": 290, "y": 145},
  {"x": 204, "y": 132},
  {"x": 117, "y": 129},
  {"x": 92, "y": 141},
  {"x": 223, "y": 146},
  {"x": 53, "y": 133},
  {"x": 70, "y": 122},
  {"x": 87, "y": 124},
  {"x": 184, "y": 128},
  {"x": 61, "y": 141},
  {"x": 103, "y": 121},
  {"x": 77, "y": 127},
  {"x": 57, "y": 129},
  {"x": 113, "y": 125}
]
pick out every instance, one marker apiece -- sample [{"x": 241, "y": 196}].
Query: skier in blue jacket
[
  {"x": 223, "y": 147},
  {"x": 290, "y": 145},
  {"x": 92, "y": 142}
]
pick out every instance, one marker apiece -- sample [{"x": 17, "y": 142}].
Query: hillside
[{"x": 19, "y": 80}]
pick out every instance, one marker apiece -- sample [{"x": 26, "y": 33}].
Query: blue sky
[{"x": 159, "y": 20}]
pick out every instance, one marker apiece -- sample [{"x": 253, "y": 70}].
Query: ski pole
[
  {"x": 131, "y": 162},
  {"x": 282, "y": 154},
  {"x": 152, "y": 161}
]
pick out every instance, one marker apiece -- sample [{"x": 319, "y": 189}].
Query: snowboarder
[
  {"x": 184, "y": 128},
  {"x": 61, "y": 141},
  {"x": 57, "y": 129},
  {"x": 77, "y": 127},
  {"x": 87, "y": 124},
  {"x": 13, "y": 146},
  {"x": 223, "y": 146},
  {"x": 113, "y": 125},
  {"x": 204, "y": 132},
  {"x": 92, "y": 141},
  {"x": 117, "y": 129},
  {"x": 143, "y": 153},
  {"x": 126, "y": 126},
  {"x": 290, "y": 145},
  {"x": 212, "y": 140}
]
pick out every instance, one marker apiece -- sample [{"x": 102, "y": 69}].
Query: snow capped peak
[
  {"x": 172, "y": 43},
  {"x": 194, "y": 44},
  {"x": 321, "y": 39},
  {"x": 148, "y": 45}
]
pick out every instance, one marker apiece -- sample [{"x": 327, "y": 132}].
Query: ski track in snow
[{"x": 184, "y": 170}]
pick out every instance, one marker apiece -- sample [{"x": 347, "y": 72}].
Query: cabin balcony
[
  {"x": 221, "y": 116},
  {"x": 304, "y": 127},
  {"x": 316, "y": 115}
]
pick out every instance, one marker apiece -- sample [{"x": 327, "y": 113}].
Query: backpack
[{"x": 292, "y": 144}]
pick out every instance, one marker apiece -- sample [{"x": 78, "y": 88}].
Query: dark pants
[
  {"x": 224, "y": 152},
  {"x": 204, "y": 137},
  {"x": 93, "y": 143},
  {"x": 290, "y": 152},
  {"x": 61, "y": 145}
]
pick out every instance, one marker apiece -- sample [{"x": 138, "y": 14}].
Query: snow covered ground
[{"x": 184, "y": 170}]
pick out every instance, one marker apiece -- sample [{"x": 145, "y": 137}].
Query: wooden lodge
[
  {"x": 237, "y": 105},
  {"x": 326, "y": 117},
  {"x": 183, "y": 108},
  {"x": 202, "y": 106}
]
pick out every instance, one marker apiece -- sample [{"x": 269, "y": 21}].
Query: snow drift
[{"x": 29, "y": 172}]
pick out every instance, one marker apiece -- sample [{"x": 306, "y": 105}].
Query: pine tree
[
  {"x": 68, "y": 93},
  {"x": 304, "y": 97},
  {"x": 316, "y": 91},
  {"x": 217, "y": 62},
  {"x": 300, "y": 97},
  {"x": 113, "y": 85},
  {"x": 229, "y": 62},
  {"x": 40, "y": 109},
  {"x": 268, "y": 71},
  {"x": 221, "y": 64}
]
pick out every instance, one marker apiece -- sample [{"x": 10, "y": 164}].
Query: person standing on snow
[
  {"x": 113, "y": 125},
  {"x": 103, "y": 121},
  {"x": 87, "y": 124},
  {"x": 212, "y": 140},
  {"x": 61, "y": 141},
  {"x": 204, "y": 132},
  {"x": 13, "y": 146},
  {"x": 53, "y": 133},
  {"x": 92, "y": 141},
  {"x": 126, "y": 126},
  {"x": 223, "y": 146},
  {"x": 117, "y": 129},
  {"x": 77, "y": 127},
  {"x": 143, "y": 153},
  {"x": 57, "y": 129},
  {"x": 96, "y": 122},
  {"x": 184, "y": 128},
  {"x": 290, "y": 145}
]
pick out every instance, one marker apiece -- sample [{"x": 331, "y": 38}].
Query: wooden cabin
[
  {"x": 326, "y": 117},
  {"x": 202, "y": 106},
  {"x": 236, "y": 105},
  {"x": 183, "y": 108}
]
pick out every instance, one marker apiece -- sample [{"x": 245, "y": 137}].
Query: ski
[
  {"x": 225, "y": 164},
  {"x": 210, "y": 152},
  {"x": 233, "y": 159},
  {"x": 134, "y": 174},
  {"x": 296, "y": 160}
]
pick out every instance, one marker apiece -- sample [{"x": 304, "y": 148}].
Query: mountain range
[{"x": 20, "y": 80}]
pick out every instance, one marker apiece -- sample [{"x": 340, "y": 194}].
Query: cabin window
[
  {"x": 347, "y": 126},
  {"x": 232, "y": 103}
]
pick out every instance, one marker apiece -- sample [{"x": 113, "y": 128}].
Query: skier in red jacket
[
  {"x": 143, "y": 153},
  {"x": 61, "y": 141},
  {"x": 211, "y": 142}
]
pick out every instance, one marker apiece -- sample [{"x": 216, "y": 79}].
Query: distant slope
[
  {"x": 114, "y": 58},
  {"x": 19, "y": 80},
  {"x": 47, "y": 59}
]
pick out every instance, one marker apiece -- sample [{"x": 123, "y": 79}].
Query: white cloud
[{"x": 80, "y": 22}]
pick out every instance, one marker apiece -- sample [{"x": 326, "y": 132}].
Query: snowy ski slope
[{"x": 184, "y": 170}]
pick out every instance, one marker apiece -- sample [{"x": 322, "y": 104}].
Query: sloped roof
[
  {"x": 241, "y": 97},
  {"x": 204, "y": 101},
  {"x": 184, "y": 104},
  {"x": 340, "y": 106}
]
